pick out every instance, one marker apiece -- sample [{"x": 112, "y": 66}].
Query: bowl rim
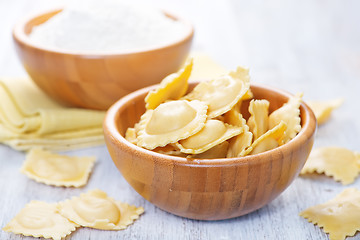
[
  {"x": 308, "y": 129},
  {"x": 18, "y": 34}
]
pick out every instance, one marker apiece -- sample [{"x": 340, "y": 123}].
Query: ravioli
[
  {"x": 218, "y": 151},
  {"x": 339, "y": 217},
  {"x": 208, "y": 121},
  {"x": 172, "y": 87},
  {"x": 131, "y": 135},
  {"x": 95, "y": 209},
  {"x": 258, "y": 122},
  {"x": 58, "y": 170},
  {"x": 170, "y": 149},
  {"x": 240, "y": 142},
  {"x": 222, "y": 93},
  {"x": 41, "y": 219},
  {"x": 290, "y": 114},
  {"x": 269, "y": 140},
  {"x": 213, "y": 133},
  {"x": 340, "y": 163},
  {"x": 171, "y": 122},
  {"x": 323, "y": 109}
]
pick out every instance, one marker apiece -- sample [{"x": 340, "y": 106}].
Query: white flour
[{"x": 107, "y": 26}]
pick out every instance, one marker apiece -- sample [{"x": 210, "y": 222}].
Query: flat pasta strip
[
  {"x": 290, "y": 114},
  {"x": 186, "y": 118},
  {"x": 95, "y": 209},
  {"x": 323, "y": 109},
  {"x": 339, "y": 217},
  {"x": 269, "y": 140},
  {"x": 222, "y": 93},
  {"x": 58, "y": 170},
  {"x": 258, "y": 121},
  {"x": 172, "y": 87},
  {"x": 340, "y": 163},
  {"x": 41, "y": 219},
  {"x": 213, "y": 133},
  {"x": 240, "y": 142}
]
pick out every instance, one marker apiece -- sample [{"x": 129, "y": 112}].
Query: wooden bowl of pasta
[{"x": 207, "y": 189}]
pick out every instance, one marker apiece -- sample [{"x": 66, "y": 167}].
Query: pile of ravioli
[
  {"x": 94, "y": 209},
  {"x": 208, "y": 122}
]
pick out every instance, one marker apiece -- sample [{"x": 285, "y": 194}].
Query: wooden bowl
[
  {"x": 95, "y": 80},
  {"x": 210, "y": 189}
]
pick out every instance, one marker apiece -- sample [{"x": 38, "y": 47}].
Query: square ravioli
[
  {"x": 340, "y": 163},
  {"x": 339, "y": 217},
  {"x": 41, "y": 219},
  {"x": 95, "y": 209},
  {"x": 58, "y": 170},
  {"x": 323, "y": 109}
]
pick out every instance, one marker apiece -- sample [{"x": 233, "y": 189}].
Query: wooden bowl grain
[
  {"x": 207, "y": 189},
  {"x": 95, "y": 80}
]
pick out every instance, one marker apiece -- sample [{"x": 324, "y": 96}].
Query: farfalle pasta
[{"x": 209, "y": 122}]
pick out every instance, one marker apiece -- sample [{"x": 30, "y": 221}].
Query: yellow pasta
[
  {"x": 218, "y": 151},
  {"x": 339, "y": 217},
  {"x": 269, "y": 140},
  {"x": 240, "y": 142},
  {"x": 259, "y": 120},
  {"x": 131, "y": 135},
  {"x": 95, "y": 209},
  {"x": 213, "y": 133},
  {"x": 172, "y": 87},
  {"x": 41, "y": 219},
  {"x": 171, "y": 122},
  {"x": 323, "y": 109},
  {"x": 208, "y": 121},
  {"x": 290, "y": 114},
  {"x": 59, "y": 170},
  {"x": 223, "y": 93},
  {"x": 340, "y": 163}
]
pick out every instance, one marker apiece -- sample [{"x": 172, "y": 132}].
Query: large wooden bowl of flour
[{"x": 96, "y": 80}]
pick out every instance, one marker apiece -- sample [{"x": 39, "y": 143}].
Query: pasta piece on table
[
  {"x": 58, "y": 170},
  {"x": 41, "y": 219},
  {"x": 95, "y": 209},
  {"x": 339, "y": 217},
  {"x": 339, "y": 163}
]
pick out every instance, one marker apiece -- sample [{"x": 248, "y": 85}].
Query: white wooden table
[{"x": 311, "y": 46}]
